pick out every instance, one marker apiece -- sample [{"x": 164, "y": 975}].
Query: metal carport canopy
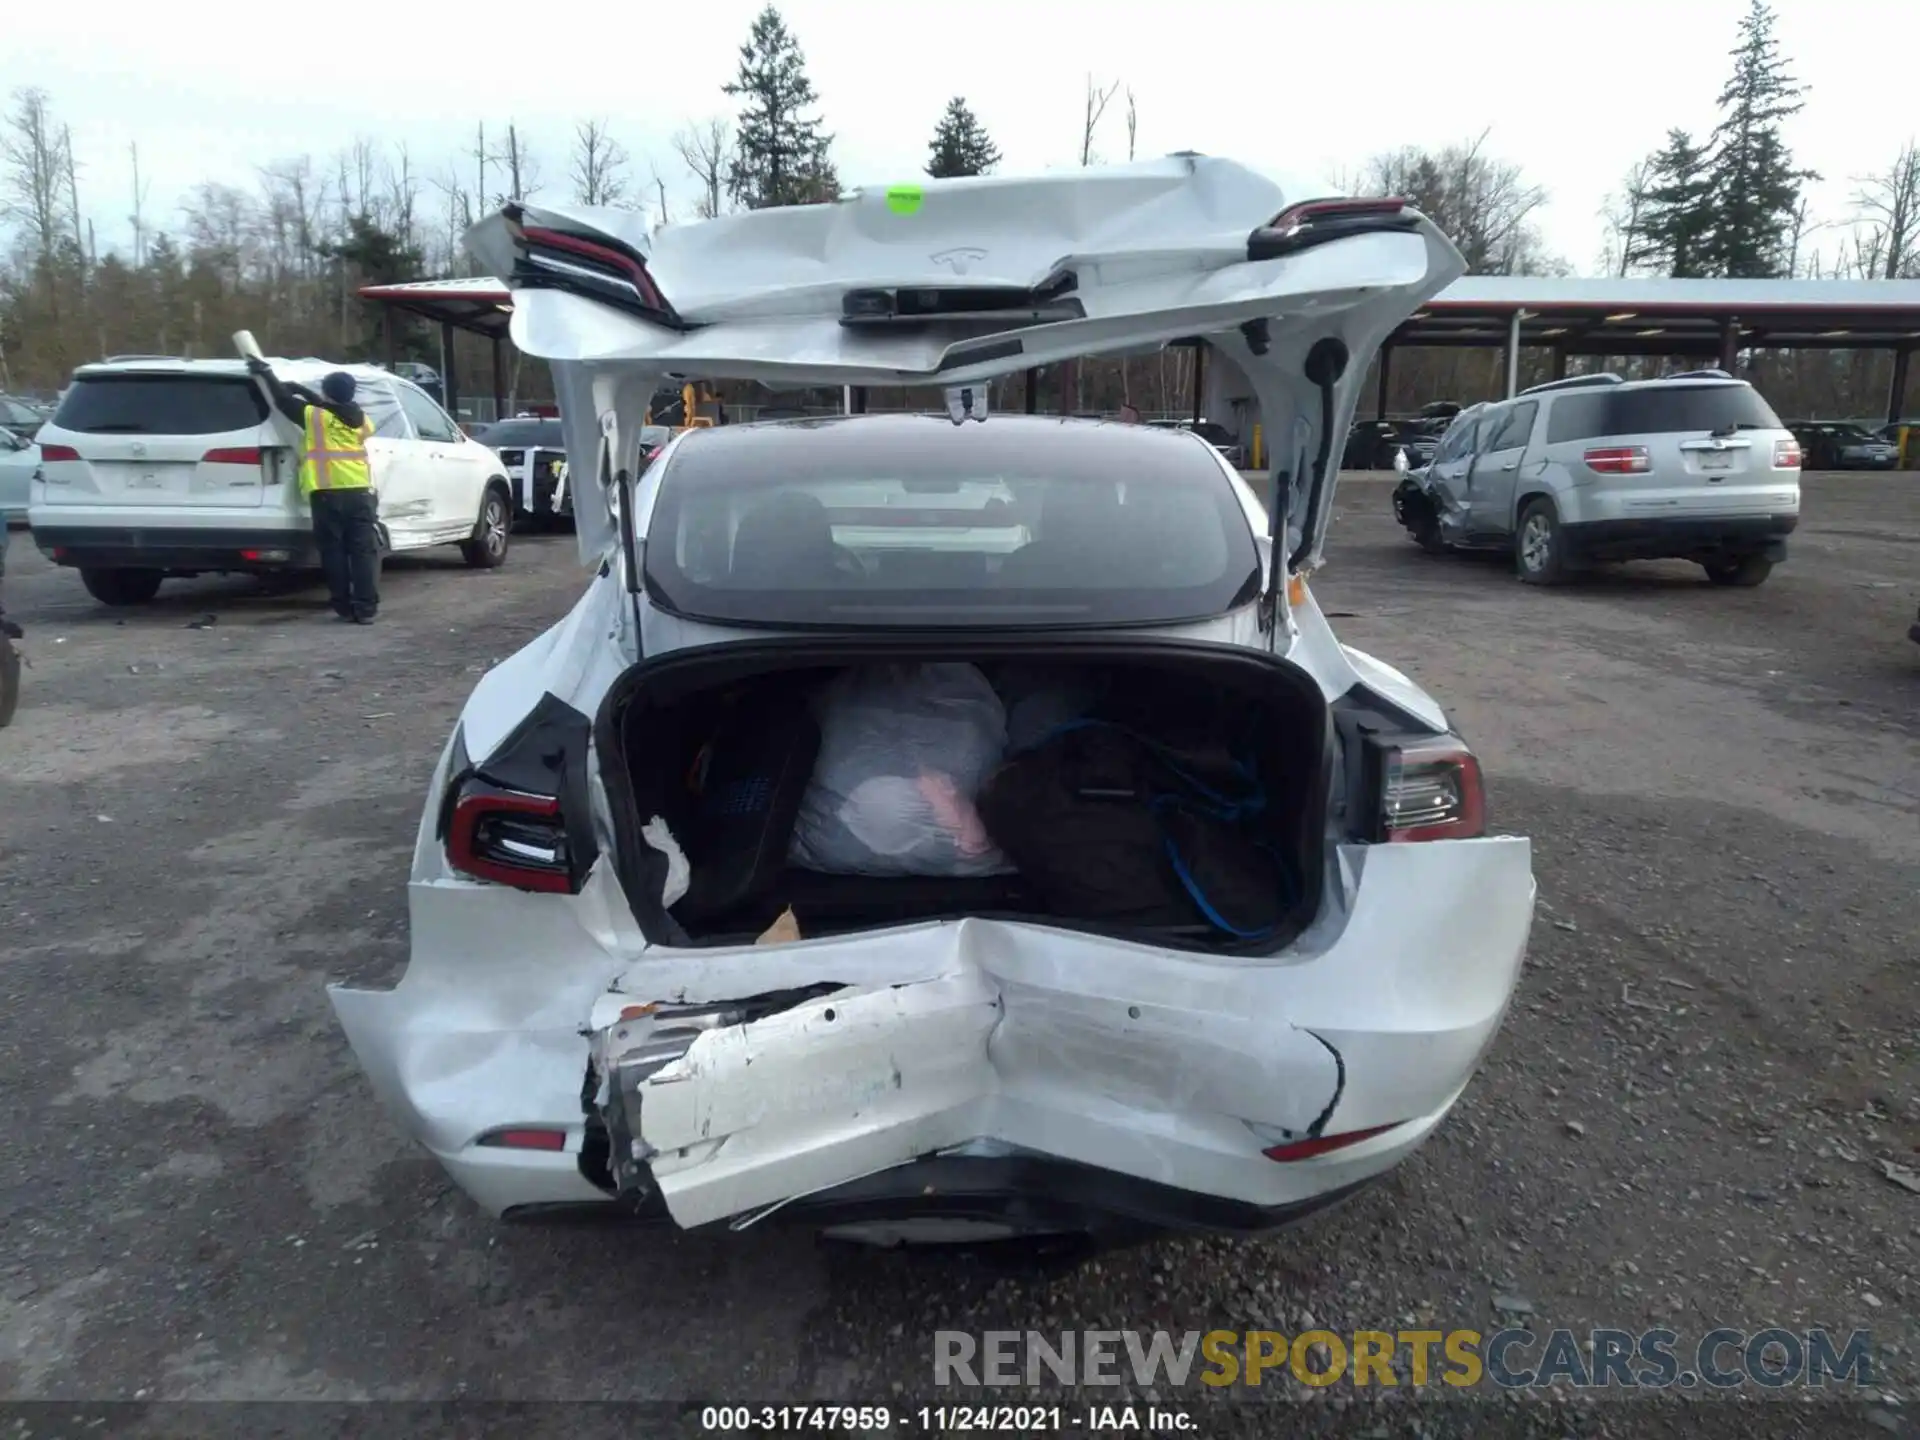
[{"x": 1710, "y": 319}]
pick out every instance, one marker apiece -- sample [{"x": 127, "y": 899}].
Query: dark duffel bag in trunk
[{"x": 1112, "y": 827}]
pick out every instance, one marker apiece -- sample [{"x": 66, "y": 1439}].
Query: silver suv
[{"x": 1595, "y": 469}]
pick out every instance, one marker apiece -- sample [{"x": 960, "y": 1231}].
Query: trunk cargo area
[{"x": 1031, "y": 755}]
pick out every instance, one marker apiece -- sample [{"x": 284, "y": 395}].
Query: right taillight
[
  {"x": 1786, "y": 454},
  {"x": 1619, "y": 460},
  {"x": 58, "y": 452},
  {"x": 1431, "y": 790}
]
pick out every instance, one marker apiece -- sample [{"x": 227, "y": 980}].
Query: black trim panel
[
  {"x": 1678, "y": 539},
  {"x": 1033, "y": 1193},
  {"x": 184, "y": 548}
]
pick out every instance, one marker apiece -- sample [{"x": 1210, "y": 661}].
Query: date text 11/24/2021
[{"x": 946, "y": 1419}]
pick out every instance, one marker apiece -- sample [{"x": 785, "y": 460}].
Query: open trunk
[{"x": 723, "y": 744}]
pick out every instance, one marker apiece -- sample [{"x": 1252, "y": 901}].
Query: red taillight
[
  {"x": 1619, "y": 460},
  {"x": 238, "y": 455},
  {"x": 1309, "y": 211},
  {"x": 58, "y": 452},
  {"x": 1786, "y": 454},
  {"x": 1322, "y": 1144},
  {"x": 511, "y": 839},
  {"x": 1432, "y": 791},
  {"x": 526, "y": 1138}
]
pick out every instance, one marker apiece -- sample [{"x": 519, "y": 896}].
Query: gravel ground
[{"x": 205, "y": 812}]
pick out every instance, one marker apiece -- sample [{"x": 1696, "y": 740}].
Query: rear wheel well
[{"x": 1526, "y": 498}]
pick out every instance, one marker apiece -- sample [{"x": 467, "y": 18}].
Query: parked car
[
  {"x": 1843, "y": 445},
  {"x": 158, "y": 468},
  {"x": 21, "y": 417},
  {"x": 624, "y": 991},
  {"x": 533, "y": 451},
  {"x": 1592, "y": 469},
  {"x": 1372, "y": 444},
  {"x": 1214, "y": 433},
  {"x": 18, "y": 460}
]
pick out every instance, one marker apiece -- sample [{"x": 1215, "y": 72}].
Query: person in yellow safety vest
[{"x": 336, "y": 477}]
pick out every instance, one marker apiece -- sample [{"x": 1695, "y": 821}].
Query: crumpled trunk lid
[{"x": 1106, "y": 261}]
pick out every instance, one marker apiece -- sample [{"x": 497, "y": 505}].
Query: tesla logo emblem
[
  {"x": 139, "y": 449},
  {"x": 959, "y": 261}
]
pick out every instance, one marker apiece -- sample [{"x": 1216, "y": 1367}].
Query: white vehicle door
[
  {"x": 454, "y": 467},
  {"x": 946, "y": 283},
  {"x": 400, "y": 471}
]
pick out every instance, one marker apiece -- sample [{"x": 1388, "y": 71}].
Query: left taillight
[
  {"x": 232, "y": 455},
  {"x": 510, "y": 838}
]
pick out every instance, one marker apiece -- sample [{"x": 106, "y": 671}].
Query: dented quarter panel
[{"x": 575, "y": 660}]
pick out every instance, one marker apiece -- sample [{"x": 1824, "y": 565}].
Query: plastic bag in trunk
[{"x": 903, "y": 751}]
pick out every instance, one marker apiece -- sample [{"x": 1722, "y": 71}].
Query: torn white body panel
[
  {"x": 1147, "y": 1062},
  {"x": 1161, "y": 1065}
]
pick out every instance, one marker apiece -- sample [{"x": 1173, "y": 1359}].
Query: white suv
[{"x": 153, "y": 468}]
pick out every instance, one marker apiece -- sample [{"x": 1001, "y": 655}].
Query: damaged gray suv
[{"x": 1596, "y": 469}]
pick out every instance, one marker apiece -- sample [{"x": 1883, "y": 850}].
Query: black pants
[{"x": 349, "y": 550}]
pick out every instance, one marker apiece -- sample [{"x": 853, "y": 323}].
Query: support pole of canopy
[
  {"x": 499, "y": 381},
  {"x": 1729, "y": 345},
  {"x": 1033, "y": 392},
  {"x": 389, "y": 324},
  {"x": 1559, "y": 362},
  {"x": 1386, "y": 376},
  {"x": 1199, "y": 377},
  {"x": 1513, "y": 354},
  {"x": 1897, "y": 387},
  {"x": 449, "y": 370}
]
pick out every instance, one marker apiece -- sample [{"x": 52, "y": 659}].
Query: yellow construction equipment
[{"x": 698, "y": 408}]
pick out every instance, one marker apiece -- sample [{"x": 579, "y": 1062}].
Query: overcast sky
[{"x": 1572, "y": 92}]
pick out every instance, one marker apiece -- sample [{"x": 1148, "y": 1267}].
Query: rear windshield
[
  {"x": 161, "y": 405},
  {"x": 1659, "y": 410},
  {"x": 918, "y": 522},
  {"x": 509, "y": 433}
]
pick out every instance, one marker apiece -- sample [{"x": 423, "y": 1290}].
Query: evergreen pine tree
[
  {"x": 1677, "y": 216},
  {"x": 780, "y": 158},
  {"x": 1755, "y": 187},
  {"x": 960, "y": 144}
]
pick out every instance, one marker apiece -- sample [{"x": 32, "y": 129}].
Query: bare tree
[
  {"x": 1625, "y": 213},
  {"x": 1133, "y": 124},
  {"x": 1484, "y": 205},
  {"x": 1097, "y": 100},
  {"x": 522, "y": 170},
  {"x": 366, "y": 175},
  {"x": 660, "y": 189},
  {"x": 138, "y": 219},
  {"x": 599, "y": 165},
  {"x": 704, "y": 148},
  {"x": 34, "y": 171},
  {"x": 404, "y": 188},
  {"x": 1800, "y": 226},
  {"x": 1889, "y": 203}
]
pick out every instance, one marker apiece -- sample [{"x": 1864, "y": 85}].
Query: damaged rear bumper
[{"x": 970, "y": 1070}]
